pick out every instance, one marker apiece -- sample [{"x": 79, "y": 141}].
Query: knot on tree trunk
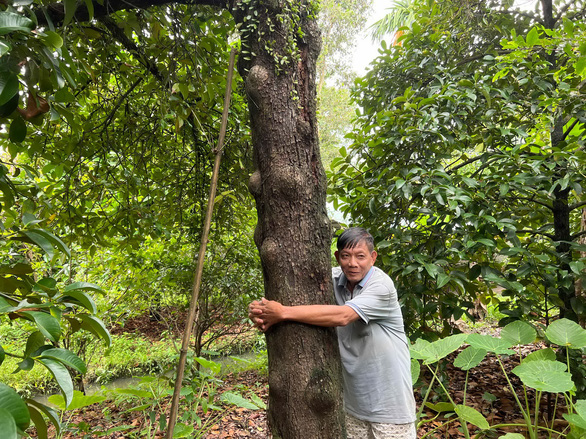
[{"x": 321, "y": 392}]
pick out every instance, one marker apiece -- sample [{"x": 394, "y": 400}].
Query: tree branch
[
  {"x": 577, "y": 205},
  {"x": 55, "y": 12},
  {"x": 534, "y": 232}
]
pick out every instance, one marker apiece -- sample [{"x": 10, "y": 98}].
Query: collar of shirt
[{"x": 343, "y": 282}]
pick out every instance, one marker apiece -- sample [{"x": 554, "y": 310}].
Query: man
[{"x": 378, "y": 395}]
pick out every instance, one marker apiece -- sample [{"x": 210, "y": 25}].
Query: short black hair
[{"x": 353, "y": 236}]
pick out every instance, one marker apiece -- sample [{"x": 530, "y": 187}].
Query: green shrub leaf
[
  {"x": 39, "y": 421},
  {"x": 61, "y": 375},
  {"x": 238, "y": 400},
  {"x": 11, "y": 403},
  {"x": 11, "y": 21},
  {"x": 415, "y": 370},
  {"x": 81, "y": 298},
  {"x": 490, "y": 344},
  {"x": 519, "y": 332},
  {"x": 441, "y": 348},
  {"x": 66, "y": 357},
  {"x": 472, "y": 416},
  {"x": 46, "y": 323},
  {"x": 547, "y": 354},
  {"x": 469, "y": 358},
  {"x": 96, "y": 327},
  {"x": 545, "y": 376},
  {"x": 7, "y": 425},
  {"x": 83, "y": 286},
  {"x": 211, "y": 365},
  {"x": 565, "y": 332},
  {"x": 48, "y": 412},
  {"x": 78, "y": 401}
]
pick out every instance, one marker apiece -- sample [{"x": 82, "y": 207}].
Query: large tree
[{"x": 280, "y": 45}]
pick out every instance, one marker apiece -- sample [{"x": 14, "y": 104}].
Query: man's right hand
[{"x": 265, "y": 313}]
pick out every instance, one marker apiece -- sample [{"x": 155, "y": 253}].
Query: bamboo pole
[{"x": 202, "y": 250}]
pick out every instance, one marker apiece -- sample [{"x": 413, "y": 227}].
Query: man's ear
[
  {"x": 337, "y": 255},
  {"x": 373, "y": 255}
]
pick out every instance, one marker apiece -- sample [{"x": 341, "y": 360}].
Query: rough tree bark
[
  {"x": 281, "y": 43},
  {"x": 293, "y": 233}
]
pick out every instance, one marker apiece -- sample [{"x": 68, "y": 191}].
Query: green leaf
[
  {"x": 490, "y": 344},
  {"x": 61, "y": 375},
  {"x": 238, "y": 400},
  {"x": 259, "y": 402},
  {"x": 565, "y": 332},
  {"x": 472, "y": 416},
  {"x": 78, "y": 401},
  {"x": 48, "y": 412},
  {"x": 547, "y": 354},
  {"x": 7, "y": 425},
  {"x": 66, "y": 357},
  {"x": 39, "y": 421},
  {"x": 135, "y": 392},
  {"x": 70, "y": 7},
  {"x": 35, "y": 340},
  {"x": 12, "y": 22},
  {"x": 418, "y": 349},
  {"x": 512, "y": 436},
  {"x": 83, "y": 286},
  {"x": 532, "y": 37},
  {"x": 11, "y": 403},
  {"x": 441, "y": 348},
  {"x": 54, "y": 39},
  {"x": 469, "y": 358},
  {"x": 440, "y": 407},
  {"x": 96, "y": 327},
  {"x": 183, "y": 430},
  {"x": 519, "y": 333},
  {"x": 545, "y": 376},
  {"x": 2, "y": 355},
  {"x": 41, "y": 241},
  {"x": 8, "y": 86},
  {"x": 80, "y": 297},
  {"x": 211, "y": 365},
  {"x": 17, "y": 130},
  {"x": 54, "y": 240},
  {"x": 415, "y": 370},
  {"x": 575, "y": 419},
  {"x": 4, "y": 48},
  {"x": 46, "y": 323}
]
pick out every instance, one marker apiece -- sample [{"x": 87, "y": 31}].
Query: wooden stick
[{"x": 202, "y": 250}]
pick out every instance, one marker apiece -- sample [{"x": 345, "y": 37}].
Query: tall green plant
[{"x": 538, "y": 371}]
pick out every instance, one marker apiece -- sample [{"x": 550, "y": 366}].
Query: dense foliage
[{"x": 468, "y": 163}]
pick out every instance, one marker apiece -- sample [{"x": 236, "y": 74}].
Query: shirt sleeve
[{"x": 375, "y": 302}]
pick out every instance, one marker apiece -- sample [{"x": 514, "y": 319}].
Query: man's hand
[{"x": 265, "y": 313}]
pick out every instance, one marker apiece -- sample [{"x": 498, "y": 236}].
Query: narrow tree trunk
[{"x": 293, "y": 232}]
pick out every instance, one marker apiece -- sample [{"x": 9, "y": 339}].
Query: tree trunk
[{"x": 281, "y": 42}]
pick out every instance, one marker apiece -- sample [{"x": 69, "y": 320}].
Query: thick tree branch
[
  {"x": 55, "y": 12},
  {"x": 578, "y": 235},
  {"x": 534, "y": 232},
  {"x": 577, "y": 205}
]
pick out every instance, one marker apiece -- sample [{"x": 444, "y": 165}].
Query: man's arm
[{"x": 266, "y": 313}]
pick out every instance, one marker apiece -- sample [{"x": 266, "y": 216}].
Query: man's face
[{"x": 355, "y": 262}]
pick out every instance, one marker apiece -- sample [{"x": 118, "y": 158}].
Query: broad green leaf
[
  {"x": 183, "y": 430},
  {"x": 547, "y": 354},
  {"x": 575, "y": 419},
  {"x": 41, "y": 241},
  {"x": 440, "y": 407},
  {"x": 54, "y": 240},
  {"x": 238, "y": 400},
  {"x": 258, "y": 401},
  {"x": 7, "y": 425},
  {"x": 490, "y": 344},
  {"x": 565, "y": 332},
  {"x": 8, "y": 86},
  {"x": 50, "y": 413},
  {"x": 4, "y": 48},
  {"x": 80, "y": 297},
  {"x": 519, "y": 333},
  {"x": 78, "y": 401},
  {"x": 135, "y": 392},
  {"x": 441, "y": 348},
  {"x": 54, "y": 39},
  {"x": 418, "y": 348},
  {"x": 512, "y": 436},
  {"x": 66, "y": 357},
  {"x": 211, "y": 365},
  {"x": 11, "y": 22},
  {"x": 96, "y": 327},
  {"x": 11, "y": 403},
  {"x": 39, "y": 421},
  {"x": 35, "y": 340},
  {"x": 61, "y": 375},
  {"x": 472, "y": 416},
  {"x": 469, "y": 358},
  {"x": 82, "y": 286},
  {"x": 415, "y": 370},
  {"x": 545, "y": 376},
  {"x": 580, "y": 407},
  {"x": 532, "y": 37},
  {"x": 46, "y": 323},
  {"x": 17, "y": 130},
  {"x": 70, "y": 7}
]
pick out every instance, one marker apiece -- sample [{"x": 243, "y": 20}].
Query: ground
[{"x": 488, "y": 392}]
